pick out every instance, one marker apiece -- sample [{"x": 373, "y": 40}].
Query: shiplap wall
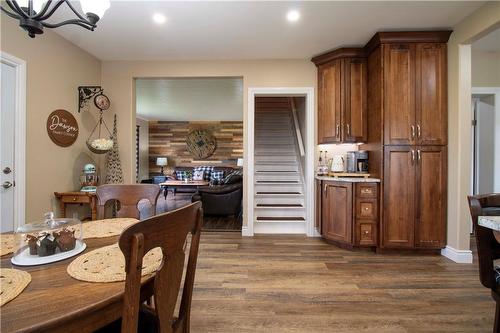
[{"x": 168, "y": 138}]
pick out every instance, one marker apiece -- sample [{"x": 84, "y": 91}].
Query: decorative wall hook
[{"x": 85, "y": 93}]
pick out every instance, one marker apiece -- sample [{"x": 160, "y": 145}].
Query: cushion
[
  {"x": 497, "y": 274},
  {"x": 198, "y": 175},
  {"x": 233, "y": 177},
  {"x": 217, "y": 175},
  {"x": 207, "y": 170},
  {"x": 181, "y": 175}
]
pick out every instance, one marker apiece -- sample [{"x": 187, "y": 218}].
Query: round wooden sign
[
  {"x": 62, "y": 128},
  {"x": 201, "y": 144}
]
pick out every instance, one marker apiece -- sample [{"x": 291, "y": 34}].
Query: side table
[{"x": 77, "y": 198}]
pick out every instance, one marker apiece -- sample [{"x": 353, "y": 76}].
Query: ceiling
[
  {"x": 251, "y": 30},
  {"x": 489, "y": 43},
  {"x": 191, "y": 99}
]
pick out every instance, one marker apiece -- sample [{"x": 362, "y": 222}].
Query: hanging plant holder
[{"x": 100, "y": 142}]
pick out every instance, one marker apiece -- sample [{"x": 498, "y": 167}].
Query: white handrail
[{"x": 297, "y": 127}]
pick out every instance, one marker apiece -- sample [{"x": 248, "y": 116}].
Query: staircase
[{"x": 278, "y": 179}]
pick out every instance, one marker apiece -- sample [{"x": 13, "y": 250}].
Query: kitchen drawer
[
  {"x": 366, "y": 233},
  {"x": 367, "y": 209},
  {"x": 368, "y": 190},
  {"x": 75, "y": 199}
]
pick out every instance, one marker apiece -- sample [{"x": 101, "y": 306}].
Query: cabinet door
[
  {"x": 355, "y": 113},
  {"x": 430, "y": 231},
  {"x": 398, "y": 225},
  {"x": 431, "y": 96},
  {"x": 337, "y": 211},
  {"x": 329, "y": 102},
  {"x": 317, "y": 221},
  {"x": 399, "y": 94}
]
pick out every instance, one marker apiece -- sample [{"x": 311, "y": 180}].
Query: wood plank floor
[{"x": 299, "y": 284}]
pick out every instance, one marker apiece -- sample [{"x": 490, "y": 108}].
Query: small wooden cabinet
[
  {"x": 342, "y": 96},
  {"x": 414, "y": 197},
  {"x": 415, "y": 94},
  {"x": 349, "y": 212}
]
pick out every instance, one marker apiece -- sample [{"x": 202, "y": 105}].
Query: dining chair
[
  {"x": 128, "y": 197},
  {"x": 169, "y": 232},
  {"x": 488, "y": 248}
]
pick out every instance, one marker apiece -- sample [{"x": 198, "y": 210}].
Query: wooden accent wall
[{"x": 168, "y": 138}]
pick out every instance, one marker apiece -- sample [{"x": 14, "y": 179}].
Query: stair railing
[{"x": 297, "y": 127}]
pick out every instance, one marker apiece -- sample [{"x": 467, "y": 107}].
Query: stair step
[
  {"x": 276, "y": 168},
  {"x": 279, "y": 205},
  {"x": 280, "y": 219},
  {"x": 278, "y": 193}
]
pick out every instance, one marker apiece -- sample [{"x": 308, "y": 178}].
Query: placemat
[
  {"x": 106, "y": 228},
  {"x": 6, "y": 244},
  {"x": 12, "y": 283},
  {"x": 107, "y": 264}
]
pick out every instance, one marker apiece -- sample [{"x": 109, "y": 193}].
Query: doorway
[
  {"x": 486, "y": 141},
  {"x": 257, "y": 150},
  {"x": 12, "y": 142}
]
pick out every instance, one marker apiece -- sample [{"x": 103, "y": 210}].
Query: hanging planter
[{"x": 100, "y": 142}]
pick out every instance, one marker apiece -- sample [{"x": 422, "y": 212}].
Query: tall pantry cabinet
[{"x": 407, "y": 135}]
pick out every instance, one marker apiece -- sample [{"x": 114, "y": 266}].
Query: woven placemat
[
  {"x": 107, "y": 264},
  {"x": 6, "y": 244},
  {"x": 12, "y": 283},
  {"x": 106, "y": 228}
]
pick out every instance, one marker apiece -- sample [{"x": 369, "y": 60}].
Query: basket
[{"x": 91, "y": 139}]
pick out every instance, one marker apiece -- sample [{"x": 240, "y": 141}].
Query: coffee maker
[
  {"x": 357, "y": 161},
  {"x": 362, "y": 161}
]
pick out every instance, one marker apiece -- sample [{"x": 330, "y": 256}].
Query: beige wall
[
  {"x": 55, "y": 68},
  {"x": 485, "y": 68},
  {"x": 476, "y": 25},
  {"x": 118, "y": 80}
]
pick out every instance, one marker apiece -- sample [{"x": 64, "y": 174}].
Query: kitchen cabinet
[
  {"x": 342, "y": 96},
  {"x": 415, "y": 94},
  {"x": 349, "y": 212},
  {"x": 414, "y": 197}
]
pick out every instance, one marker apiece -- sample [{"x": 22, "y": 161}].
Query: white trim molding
[
  {"x": 20, "y": 137},
  {"x": 253, "y": 92},
  {"x": 458, "y": 256}
]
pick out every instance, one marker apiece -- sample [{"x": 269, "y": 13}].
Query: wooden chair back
[
  {"x": 488, "y": 248},
  {"x": 169, "y": 232},
  {"x": 128, "y": 196}
]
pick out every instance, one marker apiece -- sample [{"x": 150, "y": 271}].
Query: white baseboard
[
  {"x": 246, "y": 232},
  {"x": 458, "y": 256}
]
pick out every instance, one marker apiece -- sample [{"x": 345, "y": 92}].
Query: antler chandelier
[{"x": 32, "y": 14}]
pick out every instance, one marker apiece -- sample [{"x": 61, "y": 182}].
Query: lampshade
[
  {"x": 97, "y": 7},
  {"x": 161, "y": 161},
  {"x": 239, "y": 162}
]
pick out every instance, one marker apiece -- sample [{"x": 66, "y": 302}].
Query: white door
[{"x": 7, "y": 126}]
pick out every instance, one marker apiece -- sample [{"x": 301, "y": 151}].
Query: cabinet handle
[
  {"x": 418, "y": 131},
  {"x": 412, "y": 128},
  {"x": 348, "y": 128},
  {"x": 324, "y": 190},
  {"x": 419, "y": 156},
  {"x": 412, "y": 156},
  {"x": 337, "y": 130}
]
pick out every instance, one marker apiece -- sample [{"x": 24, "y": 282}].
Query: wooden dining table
[{"x": 56, "y": 302}]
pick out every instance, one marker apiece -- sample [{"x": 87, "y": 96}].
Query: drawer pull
[
  {"x": 366, "y": 208},
  {"x": 366, "y": 232},
  {"x": 74, "y": 198},
  {"x": 366, "y": 190}
]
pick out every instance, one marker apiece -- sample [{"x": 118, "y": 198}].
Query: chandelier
[{"x": 32, "y": 14}]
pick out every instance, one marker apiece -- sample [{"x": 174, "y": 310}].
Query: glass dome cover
[{"x": 48, "y": 240}]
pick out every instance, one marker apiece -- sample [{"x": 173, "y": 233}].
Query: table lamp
[{"x": 161, "y": 162}]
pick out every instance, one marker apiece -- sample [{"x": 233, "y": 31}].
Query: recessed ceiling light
[
  {"x": 293, "y": 16},
  {"x": 159, "y": 18}
]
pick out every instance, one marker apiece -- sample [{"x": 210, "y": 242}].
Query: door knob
[
  {"x": 7, "y": 170},
  {"x": 7, "y": 185}
]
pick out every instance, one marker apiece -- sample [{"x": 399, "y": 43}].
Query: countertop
[
  {"x": 349, "y": 179},
  {"x": 490, "y": 222}
]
